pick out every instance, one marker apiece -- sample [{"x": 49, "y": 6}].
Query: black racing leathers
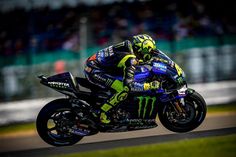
[{"x": 109, "y": 63}]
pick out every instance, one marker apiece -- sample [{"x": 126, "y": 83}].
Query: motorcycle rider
[{"x": 120, "y": 60}]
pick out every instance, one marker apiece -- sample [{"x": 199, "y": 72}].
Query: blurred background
[
  {"x": 49, "y": 37},
  {"x": 53, "y": 36}
]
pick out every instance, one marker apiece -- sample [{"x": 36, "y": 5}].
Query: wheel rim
[
  {"x": 59, "y": 125},
  {"x": 191, "y": 114}
]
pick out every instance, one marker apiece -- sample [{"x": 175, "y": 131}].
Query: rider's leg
[
  {"x": 104, "y": 80},
  {"x": 120, "y": 95}
]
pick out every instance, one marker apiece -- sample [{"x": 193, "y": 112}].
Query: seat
[{"x": 85, "y": 83}]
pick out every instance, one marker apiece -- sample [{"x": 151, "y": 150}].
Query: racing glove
[{"x": 154, "y": 85}]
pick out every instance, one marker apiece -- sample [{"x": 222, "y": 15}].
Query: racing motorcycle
[{"x": 65, "y": 121}]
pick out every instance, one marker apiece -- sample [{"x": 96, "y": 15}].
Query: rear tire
[
  {"x": 196, "y": 109},
  {"x": 54, "y": 135}
]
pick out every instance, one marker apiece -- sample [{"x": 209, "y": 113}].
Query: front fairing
[
  {"x": 169, "y": 73},
  {"x": 163, "y": 69},
  {"x": 142, "y": 74}
]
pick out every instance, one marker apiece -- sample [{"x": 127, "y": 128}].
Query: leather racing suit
[{"x": 116, "y": 60}]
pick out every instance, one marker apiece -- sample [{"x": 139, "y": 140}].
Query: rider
[{"x": 120, "y": 60}]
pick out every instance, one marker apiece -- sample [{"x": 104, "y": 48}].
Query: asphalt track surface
[{"x": 27, "y": 146}]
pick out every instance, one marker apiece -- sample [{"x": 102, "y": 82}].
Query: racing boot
[
  {"x": 102, "y": 113},
  {"x": 104, "y": 118}
]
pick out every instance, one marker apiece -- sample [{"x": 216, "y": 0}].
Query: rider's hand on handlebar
[{"x": 154, "y": 85}]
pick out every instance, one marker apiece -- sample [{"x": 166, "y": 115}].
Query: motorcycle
[{"x": 65, "y": 121}]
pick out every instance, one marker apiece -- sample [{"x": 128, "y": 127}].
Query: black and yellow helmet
[{"x": 143, "y": 45}]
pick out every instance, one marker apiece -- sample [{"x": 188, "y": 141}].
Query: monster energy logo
[{"x": 144, "y": 104}]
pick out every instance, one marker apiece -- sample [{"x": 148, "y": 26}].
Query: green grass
[
  {"x": 222, "y": 146},
  {"x": 17, "y": 128},
  {"x": 222, "y": 108}
]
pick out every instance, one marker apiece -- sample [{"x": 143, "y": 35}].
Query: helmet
[{"x": 143, "y": 45}]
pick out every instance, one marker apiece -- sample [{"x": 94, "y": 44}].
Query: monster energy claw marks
[{"x": 146, "y": 106}]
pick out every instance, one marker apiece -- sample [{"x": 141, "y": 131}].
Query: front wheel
[{"x": 194, "y": 114}]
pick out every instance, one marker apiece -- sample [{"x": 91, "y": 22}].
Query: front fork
[
  {"x": 179, "y": 103},
  {"x": 179, "y": 106}
]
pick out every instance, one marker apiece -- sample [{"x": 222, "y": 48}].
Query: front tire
[
  {"x": 53, "y": 122},
  {"x": 195, "y": 107}
]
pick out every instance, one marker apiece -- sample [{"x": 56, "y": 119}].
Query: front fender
[{"x": 190, "y": 91}]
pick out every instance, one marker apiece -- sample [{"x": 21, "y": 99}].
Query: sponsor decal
[
  {"x": 178, "y": 69},
  {"x": 146, "y": 106},
  {"x": 106, "y": 52},
  {"x": 110, "y": 49},
  {"x": 58, "y": 84},
  {"x": 99, "y": 78},
  {"x": 160, "y": 66}
]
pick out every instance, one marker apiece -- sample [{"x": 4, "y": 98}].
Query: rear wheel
[
  {"x": 54, "y": 122},
  {"x": 194, "y": 114}
]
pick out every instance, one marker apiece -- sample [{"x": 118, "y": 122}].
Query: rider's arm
[
  {"x": 128, "y": 63},
  {"x": 124, "y": 46}
]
